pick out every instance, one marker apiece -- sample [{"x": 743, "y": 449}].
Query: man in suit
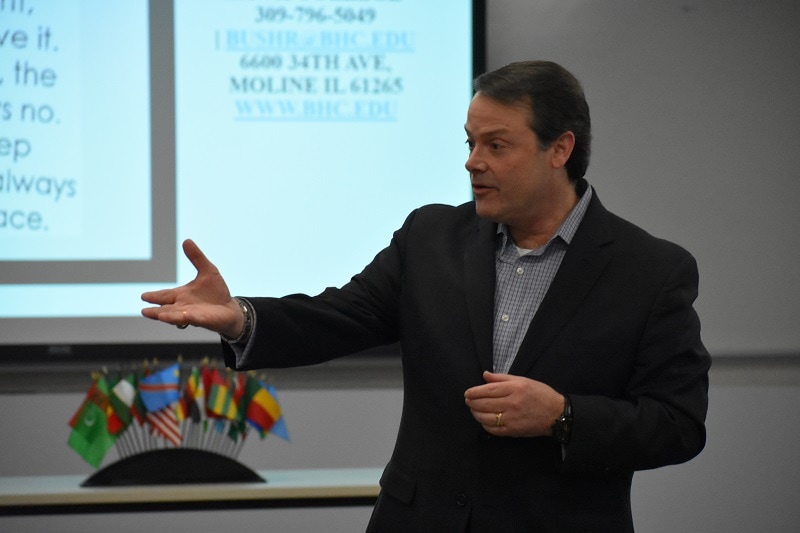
[{"x": 549, "y": 348}]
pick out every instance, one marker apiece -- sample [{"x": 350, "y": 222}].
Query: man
[{"x": 549, "y": 348}]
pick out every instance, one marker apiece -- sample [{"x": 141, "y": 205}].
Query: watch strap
[
  {"x": 248, "y": 323},
  {"x": 562, "y": 428}
]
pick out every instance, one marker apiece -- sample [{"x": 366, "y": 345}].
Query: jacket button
[{"x": 461, "y": 499}]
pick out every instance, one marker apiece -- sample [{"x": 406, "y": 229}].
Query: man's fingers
[
  {"x": 163, "y": 300},
  {"x": 486, "y": 391},
  {"x": 178, "y": 318},
  {"x": 197, "y": 257},
  {"x": 491, "y": 377},
  {"x": 481, "y": 400},
  {"x": 162, "y": 297},
  {"x": 151, "y": 312}
]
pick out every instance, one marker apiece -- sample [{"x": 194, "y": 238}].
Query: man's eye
[{"x": 470, "y": 145}]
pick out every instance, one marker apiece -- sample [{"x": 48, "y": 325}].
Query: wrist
[{"x": 246, "y": 323}]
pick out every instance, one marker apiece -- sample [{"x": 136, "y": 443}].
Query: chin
[{"x": 485, "y": 211}]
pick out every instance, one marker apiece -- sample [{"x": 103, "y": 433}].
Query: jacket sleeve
[
  {"x": 298, "y": 329},
  {"x": 661, "y": 418}
]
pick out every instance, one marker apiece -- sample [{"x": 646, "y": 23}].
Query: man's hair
[{"x": 555, "y": 98}]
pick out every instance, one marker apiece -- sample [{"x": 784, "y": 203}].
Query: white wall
[
  {"x": 696, "y": 123},
  {"x": 748, "y": 477}
]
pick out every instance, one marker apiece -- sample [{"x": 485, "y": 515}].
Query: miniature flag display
[{"x": 202, "y": 408}]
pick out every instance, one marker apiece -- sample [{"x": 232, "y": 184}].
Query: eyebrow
[{"x": 488, "y": 133}]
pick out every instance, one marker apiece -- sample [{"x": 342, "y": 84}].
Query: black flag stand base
[{"x": 172, "y": 466}]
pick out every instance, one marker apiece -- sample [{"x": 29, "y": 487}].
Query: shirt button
[
  {"x": 520, "y": 271},
  {"x": 461, "y": 499},
  {"x": 505, "y": 318}
]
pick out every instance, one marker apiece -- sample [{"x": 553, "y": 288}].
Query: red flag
[
  {"x": 259, "y": 407},
  {"x": 90, "y": 436},
  {"x": 89, "y": 395}
]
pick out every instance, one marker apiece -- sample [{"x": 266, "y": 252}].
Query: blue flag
[{"x": 160, "y": 389}]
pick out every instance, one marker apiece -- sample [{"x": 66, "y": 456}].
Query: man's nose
[{"x": 475, "y": 162}]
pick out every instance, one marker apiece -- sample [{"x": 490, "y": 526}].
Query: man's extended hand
[
  {"x": 521, "y": 406},
  {"x": 205, "y": 301}
]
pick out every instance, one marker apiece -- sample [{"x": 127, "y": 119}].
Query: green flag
[{"x": 90, "y": 437}]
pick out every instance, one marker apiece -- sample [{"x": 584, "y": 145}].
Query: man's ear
[{"x": 562, "y": 149}]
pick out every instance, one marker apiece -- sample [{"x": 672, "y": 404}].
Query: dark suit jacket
[{"x": 616, "y": 331}]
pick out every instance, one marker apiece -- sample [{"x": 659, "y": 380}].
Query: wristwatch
[
  {"x": 248, "y": 323},
  {"x": 562, "y": 428}
]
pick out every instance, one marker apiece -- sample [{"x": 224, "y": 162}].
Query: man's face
[{"x": 511, "y": 176}]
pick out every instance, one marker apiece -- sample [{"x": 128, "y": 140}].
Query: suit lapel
[
  {"x": 586, "y": 257},
  {"x": 479, "y": 273}
]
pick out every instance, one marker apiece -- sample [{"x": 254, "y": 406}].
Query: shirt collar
[{"x": 567, "y": 229}]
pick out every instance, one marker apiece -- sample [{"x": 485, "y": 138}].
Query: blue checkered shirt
[{"x": 523, "y": 278}]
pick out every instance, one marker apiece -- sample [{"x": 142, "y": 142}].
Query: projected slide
[
  {"x": 288, "y": 138},
  {"x": 75, "y": 166},
  {"x": 309, "y": 130}
]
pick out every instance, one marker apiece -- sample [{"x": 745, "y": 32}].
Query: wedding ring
[
  {"x": 498, "y": 419},
  {"x": 183, "y": 326}
]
